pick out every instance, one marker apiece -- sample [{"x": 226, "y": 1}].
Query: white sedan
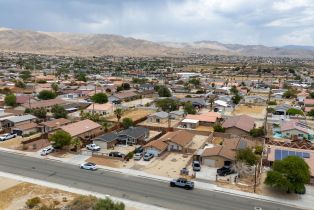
[{"x": 88, "y": 166}]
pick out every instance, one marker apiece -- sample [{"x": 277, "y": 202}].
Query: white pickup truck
[
  {"x": 93, "y": 147},
  {"x": 8, "y": 136}
]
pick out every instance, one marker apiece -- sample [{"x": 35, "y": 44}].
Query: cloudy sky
[{"x": 269, "y": 22}]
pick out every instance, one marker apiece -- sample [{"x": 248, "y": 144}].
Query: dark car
[
  {"x": 224, "y": 171},
  {"x": 139, "y": 150},
  {"x": 116, "y": 154},
  {"x": 183, "y": 183}
]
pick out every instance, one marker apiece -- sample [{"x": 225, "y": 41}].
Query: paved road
[{"x": 124, "y": 186}]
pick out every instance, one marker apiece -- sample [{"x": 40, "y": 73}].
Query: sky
[{"x": 267, "y": 22}]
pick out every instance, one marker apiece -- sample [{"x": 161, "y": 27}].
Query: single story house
[
  {"x": 107, "y": 140},
  {"x": 18, "y": 120},
  {"x": 178, "y": 140},
  {"x": 196, "y": 102},
  {"x": 156, "y": 147},
  {"x": 296, "y": 130},
  {"x": 158, "y": 117},
  {"x": 219, "y": 155},
  {"x": 85, "y": 129},
  {"x": 103, "y": 109},
  {"x": 133, "y": 135},
  {"x": 52, "y": 125},
  {"x": 44, "y": 104},
  {"x": 239, "y": 125},
  {"x": 25, "y": 129}
]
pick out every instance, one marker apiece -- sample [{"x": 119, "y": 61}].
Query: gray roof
[
  {"x": 160, "y": 114},
  {"x": 134, "y": 132},
  {"x": 108, "y": 137},
  {"x": 22, "y": 118},
  {"x": 177, "y": 112},
  {"x": 194, "y": 100}
]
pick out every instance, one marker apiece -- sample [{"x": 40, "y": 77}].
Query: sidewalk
[{"x": 305, "y": 201}]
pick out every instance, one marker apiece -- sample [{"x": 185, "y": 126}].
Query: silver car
[
  {"x": 88, "y": 166},
  {"x": 138, "y": 156},
  {"x": 47, "y": 151}
]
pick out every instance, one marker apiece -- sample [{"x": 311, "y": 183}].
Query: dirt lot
[
  {"x": 14, "y": 194},
  {"x": 253, "y": 111},
  {"x": 111, "y": 162},
  {"x": 14, "y": 143},
  {"x": 134, "y": 114},
  {"x": 173, "y": 123},
  {"x": 170, "y": 166},
  {"x": 198, "y": 141},
  {"x": 37, "y": 145}
]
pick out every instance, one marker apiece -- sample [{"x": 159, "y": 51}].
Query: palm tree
[
  {"x": 76, "y": 143},
  {"x": 118, "y": 112},
  {"x": 211, "y": 100}
]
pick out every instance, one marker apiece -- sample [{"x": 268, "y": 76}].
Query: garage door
[
  {"x": 209, "y": 162},
  {"x": 152, "y": 151}
]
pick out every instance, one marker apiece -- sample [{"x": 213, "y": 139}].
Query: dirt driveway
[{"x": 169, "y": 166}]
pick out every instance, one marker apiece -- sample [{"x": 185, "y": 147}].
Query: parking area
[{"x": 168, "y": 166}]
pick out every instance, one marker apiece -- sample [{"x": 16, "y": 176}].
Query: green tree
[
  {"x": 126, "y": 86},
  {"x": 119, "y": 88},
  {"x": 60, "y": 139},
  {"x": 291, "y": 93},
  {"x": 234, "y": 90},
  {"x": 76, "y": 143},
  {"x": 247, "y": 156},
  {"x": 25, "y": 75},
  {"x": 163, "y": 91},
  {"x": 108, "y": 204},
  {"x": 100, "y": 98},
  {"x": 289, "y": 174},
  {"x": 219, "y": 128},
  {"x": 20, "y": 84},
  {"x": 81, "y": 77},
  {"x": 293, "y": 111},
  {"x": 167, "y": 104},
  {"x": 40, "y": 113},
  {"x": 59, "y": 111},
  {"x": 118, "y": 112},
  {"x": 127, "y": 122},
  {"x": 195, "y": 81},
  {"x": 10, "y": 100},
  {"x": 236, "y": 99},
  {"x": 311, "y": 113},
  {"x": 257, "y": 132},
  {"x": 272, "y": 103},
  {"x": 270, "y": 110},
  {"x": 46, "y": 95},
  {"x": 312, "y": 95},
  {"x": 189, "y": 108},
  {"x": 55, "y": 87}
]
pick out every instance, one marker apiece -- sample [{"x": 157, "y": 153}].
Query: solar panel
[
  {"x": 277, "y": 154},
  {"x": 291, "y": 153},
  {"x": 284, "y": 154},
  {"x": 306, "y": 155},
  {"x": 299, "y": 154}
]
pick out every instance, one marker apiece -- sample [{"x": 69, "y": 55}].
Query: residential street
[{"x": 127, "y": 187}]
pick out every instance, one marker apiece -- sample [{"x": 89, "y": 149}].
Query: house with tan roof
[
  {"x": 219, "y": 155},
  {"x": 194, "y": 120},
  {"x": 25, "y": 129},
  {"x": 239, "y": 125},
  {"x": 52, "y": 125},
  {"x": 44, "y": 104},
  {"x": 103, "y": 109},
  {"x": 85, "y": 129}
]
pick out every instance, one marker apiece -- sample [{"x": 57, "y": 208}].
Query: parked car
[
  {"x": 183, "y": 183},
  {"x": 224, "y": 171},
  {"x": 196, "y": 166},
  {"x": 47, "y": 151},
  {"x": 93, "y": 147},
  {"x": 138, "y": 156},
  {"x": 148, "y": 156},
  {"x": 116, "y": 154},
  {"x": 139, "y": 150},
  {"x": 88, "y": 166},
  {"x": 8, "y": 136}
]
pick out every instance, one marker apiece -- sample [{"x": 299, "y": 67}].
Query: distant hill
[{"x": 55, "y": 43}]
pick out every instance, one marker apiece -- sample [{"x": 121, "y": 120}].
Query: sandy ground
[
  {"x": 14, "y": 143},
  {"x": 205, "y": 128},
  {"x": 253, "y": 111},
  {"x": 135, "y": 114},
  {"x": 111, "y": 162},
  {"x": 138, "y": 102},
  {"x": 173, "y": 123},
  {"x": 198, "y": 141},
  {"x": 168, "y": 167},
  {"x": 14, "y": 194}
]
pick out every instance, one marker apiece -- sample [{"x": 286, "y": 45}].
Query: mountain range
[{"x": 76, "y": 44}]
